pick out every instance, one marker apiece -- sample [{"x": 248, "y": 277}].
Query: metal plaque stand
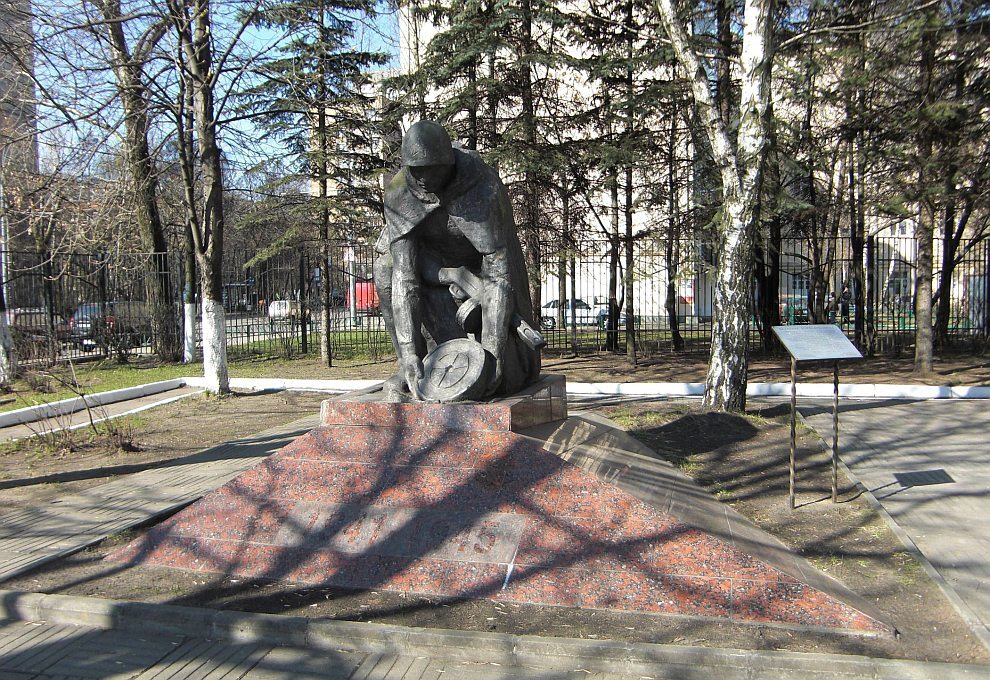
[{"x": 817, "y": 343}]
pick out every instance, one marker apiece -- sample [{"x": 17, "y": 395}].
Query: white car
[
  {"x": 284, "y": 310},
  {"x": 582, "y": 313}
]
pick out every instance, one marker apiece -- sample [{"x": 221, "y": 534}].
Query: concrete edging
[
  {"x": 65, "y": 407},
  {"x": 501, "y": 648},
  {"x": 651, "y": 389},
  {"x": 603, "y": 389},
  {"x": 301, "y": 384}
]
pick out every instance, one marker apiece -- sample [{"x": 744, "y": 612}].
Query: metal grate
[{"x": 923, "y": 478}]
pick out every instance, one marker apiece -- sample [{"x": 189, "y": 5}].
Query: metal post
[
  {"x": 835, "y": 432},
  {"x": 790, "y": 495}
]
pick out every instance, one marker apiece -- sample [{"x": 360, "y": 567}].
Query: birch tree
[{"x": 740, "y": 169}]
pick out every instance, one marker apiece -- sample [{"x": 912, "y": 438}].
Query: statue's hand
[{"x": 412, "y": 371}]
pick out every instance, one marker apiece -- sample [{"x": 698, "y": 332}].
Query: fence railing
[{"x": 82, "y": 305}]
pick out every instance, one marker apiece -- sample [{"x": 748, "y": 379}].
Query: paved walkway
[
  {"x": 182, "y": 642},
  {"x": 928, "y": 464},
  {"x": 35, "y": 535},
  {"x": 52, "y": 652}
]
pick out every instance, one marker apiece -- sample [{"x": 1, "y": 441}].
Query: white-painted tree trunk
[
  {"x": 189, "y": 333},
  {"x": 8, "y": 357},
  {"x": 215, "y": 347},
  {"x": 740, "y": 170}
]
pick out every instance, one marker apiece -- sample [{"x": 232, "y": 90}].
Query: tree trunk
[
  {"x": 630, "y": 125},
  {"x": 925, "y": 231},
  {"x": 8, "y": 357},
  {"x": 612, "y": 323},
  {"x": 857, "y": 240},
  {"x": 189, "y": 300},
  {"x": 127, "y": 70},
  {"x": 530, "y": 229},
  {"x": 673, "y": 239},
  {"x": 630, "y": 272},
  {"x": 326, "y": 349},
  {"x": 195, "y": 36},
  {"x": 725, "y": 385}
]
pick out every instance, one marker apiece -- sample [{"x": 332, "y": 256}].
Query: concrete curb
[
  {"x": 299, "y": 384},
  {"x": 977, "y": 626},
  {"x": 67, "y": 406},
  {"x": 650, "y": 389},
  {"x": 646, "y": 389},
  {"x": 497, "y": 648}
]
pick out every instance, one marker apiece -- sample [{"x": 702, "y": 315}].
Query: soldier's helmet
[{"x": 426, "y": 143}]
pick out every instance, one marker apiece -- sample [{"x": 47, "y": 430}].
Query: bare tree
[
  {"x": 128, "y": 64},
  {"x": 198, "y": 119}
]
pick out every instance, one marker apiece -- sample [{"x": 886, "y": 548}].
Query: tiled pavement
[
  {"x": 37, "y": 534},
  {"x": 928, "y": 464}
]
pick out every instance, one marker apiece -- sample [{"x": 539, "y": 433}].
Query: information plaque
[{"x": 820, "y": 342}]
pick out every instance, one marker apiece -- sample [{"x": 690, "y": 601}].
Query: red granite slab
[{"x": 480, "y": 514}]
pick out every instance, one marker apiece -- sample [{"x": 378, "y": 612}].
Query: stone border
[
  {"x": 66, "y": 406},
  {"x": 604, "y": 389},
  {"x": 653, "y": 389},
  {"x": 558, "y": 654}
]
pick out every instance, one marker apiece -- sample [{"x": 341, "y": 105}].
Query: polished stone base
[{"x": 450, "y": 500}]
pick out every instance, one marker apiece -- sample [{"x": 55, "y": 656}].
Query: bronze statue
[{"x": 451, "y": 277}]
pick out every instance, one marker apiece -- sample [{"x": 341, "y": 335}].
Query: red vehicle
[{"x": 365, "y": 298}]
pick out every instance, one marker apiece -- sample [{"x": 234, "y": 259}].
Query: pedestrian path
[
  {"x": 189, "y": 643},
  {"x": 57, "y": 652},
  {"x": 926, "y": 464},
  {"x": 37, "y": 534}
]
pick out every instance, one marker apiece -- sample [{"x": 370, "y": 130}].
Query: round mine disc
[{"x": 457, "y": 370}]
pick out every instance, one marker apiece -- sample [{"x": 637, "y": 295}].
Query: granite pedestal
[{"x": 451, "y": 500}]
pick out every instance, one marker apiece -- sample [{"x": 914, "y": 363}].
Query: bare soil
[{"x": 740, "y": 459}]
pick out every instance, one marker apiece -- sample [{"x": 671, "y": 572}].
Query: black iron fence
[{"x": 79, "y": 305}]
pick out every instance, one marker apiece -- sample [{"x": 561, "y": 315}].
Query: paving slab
[
  {"x": 38, "y": 534},
  {"x": 197, "y": 644},
  {"x": 925, "y": 462}
]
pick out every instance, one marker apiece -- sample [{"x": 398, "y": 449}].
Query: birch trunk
[
  {"x": 215, "y": 347},
  {"x": 189, "y": 333},
  {"x": 8, "y": 358},
  {"x": 725, "y": 385}
]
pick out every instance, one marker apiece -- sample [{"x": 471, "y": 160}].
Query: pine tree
[{"x": 316, "y": 97}]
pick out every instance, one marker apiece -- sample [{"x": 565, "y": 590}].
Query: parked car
[
  {"x": 118, "y": 324},
  {"x": 285, "y": 312},
  {"x": 794, "y": 309},
  {"x": 33, "y": 323},
  {"x": 582, "y": 313},
  {"x": 35, "y": 333},
  {"x": 365, "y": 298}
]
